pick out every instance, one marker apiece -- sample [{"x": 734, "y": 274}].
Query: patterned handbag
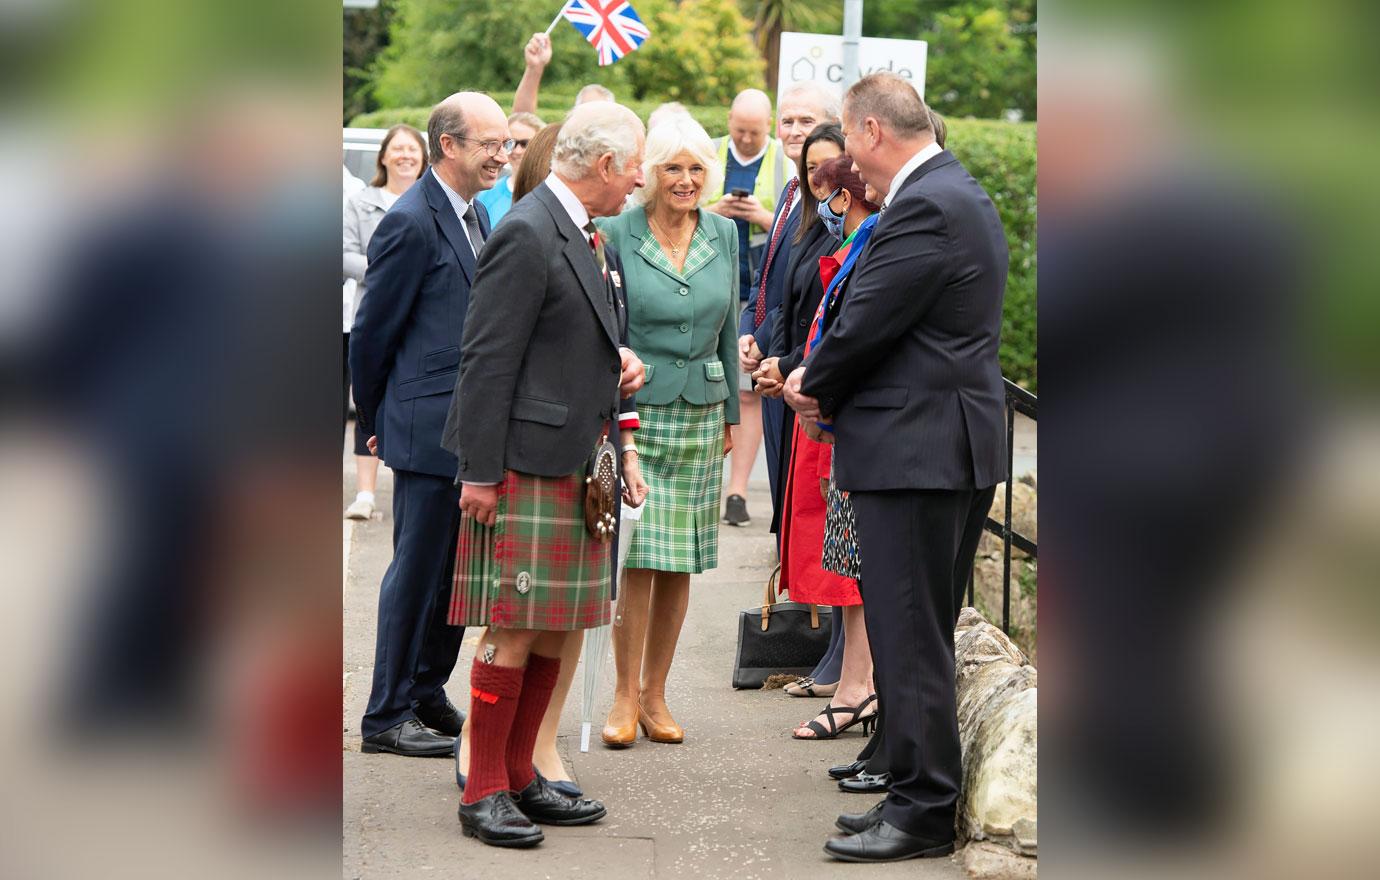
[
  {"x": 779, "y": 637},
  {"x": 601, "y": 492}
]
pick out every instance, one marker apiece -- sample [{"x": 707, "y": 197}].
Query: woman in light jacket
[
  {"x": 401, "y": 160},
  {"x": 681, "y": 264}
]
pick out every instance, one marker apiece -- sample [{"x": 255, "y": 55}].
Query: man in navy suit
[
  {"x": 908, "y": 373},
  {"x": 404, "y": 357}
]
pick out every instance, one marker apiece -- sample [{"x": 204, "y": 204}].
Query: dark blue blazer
[
  {"x": 776, "y": 278},
  {"x": 405, "y": 343}
]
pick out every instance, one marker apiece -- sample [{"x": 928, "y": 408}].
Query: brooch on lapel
[{"x": 617, "y": 282}]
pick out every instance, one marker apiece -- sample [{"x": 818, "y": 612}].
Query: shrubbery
[{"x": 1001, "y": 155}]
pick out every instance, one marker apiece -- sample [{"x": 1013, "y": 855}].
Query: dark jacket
[
  {"x": 405, "y": 341},
  {"x": 800, "y": 298},
  {"x": 908, "y": 369},
  {"x": 776, "y": 277},
  {"x": 540, "y": 364}
]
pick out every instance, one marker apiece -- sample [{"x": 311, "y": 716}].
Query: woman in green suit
[{"x": 681, "y": 264}]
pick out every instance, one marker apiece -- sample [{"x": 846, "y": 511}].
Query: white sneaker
[{"x": 362, "y": 508}]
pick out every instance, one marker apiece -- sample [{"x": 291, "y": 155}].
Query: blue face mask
[{"x": 832, "y": 222}]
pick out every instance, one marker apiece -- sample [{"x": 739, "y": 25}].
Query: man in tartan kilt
[{"x": 542, "y": 374}]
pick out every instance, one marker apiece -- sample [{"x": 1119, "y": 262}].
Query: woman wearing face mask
[{"x": 816, "y": 546}]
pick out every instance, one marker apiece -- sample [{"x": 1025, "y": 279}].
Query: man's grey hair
[
  {"x": 819, "y": 96},
  {"x": 446, "y": 118},
  {"x": 590, "y": 131},
  {"x": 891, "y": 100},
  {"x": 593, "y": 92}
]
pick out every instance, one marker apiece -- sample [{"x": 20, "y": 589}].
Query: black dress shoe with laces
[
  {"x": 496, "y": 820},
  {"x": 443, "y": 719},
  {"x": 885, "y": 842},
  {"x": 847, "y": 771},
  {"x": 856, "y": 823},
  {"x": 735, "y": 511},
  {"x": 410, "y": 739},
  {"x": 542, "y": 803},
  {"x": 866, "y": 783}
]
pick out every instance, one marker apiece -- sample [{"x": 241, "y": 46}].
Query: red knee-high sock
[
  {"x": 537, "y": 684},
  {"x": 494, "y": 693}
]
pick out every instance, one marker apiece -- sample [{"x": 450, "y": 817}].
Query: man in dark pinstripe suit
[{"x": 908, "y": 373}]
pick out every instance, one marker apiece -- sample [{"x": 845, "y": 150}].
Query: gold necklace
[{"x": 665, "y": 239}]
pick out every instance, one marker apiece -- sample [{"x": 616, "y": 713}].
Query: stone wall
[{"x": 997, "y": 713}]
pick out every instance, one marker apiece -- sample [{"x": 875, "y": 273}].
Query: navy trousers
[
  {"x": 917, "y": 549},
  {"x": 415, "y": 649}
]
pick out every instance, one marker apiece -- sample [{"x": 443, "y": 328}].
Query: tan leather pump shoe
[
  {"x": 620, "y": 728},
  {"x": 658, "y": 732}
]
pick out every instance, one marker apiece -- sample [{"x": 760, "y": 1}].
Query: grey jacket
[
  {"x": 363, "y": 211},
  {"x": 539, "y": 364}
]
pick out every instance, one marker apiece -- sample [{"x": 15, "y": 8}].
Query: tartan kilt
[
  {"x": 680, "y": 448},
  {"x": 537, "y": 567}
]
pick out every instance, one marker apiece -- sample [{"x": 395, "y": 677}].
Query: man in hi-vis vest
[{"x": 756, "y": 167}]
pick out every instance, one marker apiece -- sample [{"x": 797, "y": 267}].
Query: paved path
[{"x": 739, "y": 799}]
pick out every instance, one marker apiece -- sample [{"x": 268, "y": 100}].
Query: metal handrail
[{"x": 1017, "y": 400}]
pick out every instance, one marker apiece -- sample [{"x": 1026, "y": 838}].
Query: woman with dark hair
[
  {"x": 401, "y": 161},
  {"x": 818, "y": 549},
  {"x": 800, "y": 294}
]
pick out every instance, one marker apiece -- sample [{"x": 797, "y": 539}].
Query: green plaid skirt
[
  {"x": 681, "y": 451},
  {"x": 537, "y": 567}
]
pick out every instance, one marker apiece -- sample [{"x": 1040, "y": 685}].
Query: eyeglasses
[{"x": 491, "y": 148}]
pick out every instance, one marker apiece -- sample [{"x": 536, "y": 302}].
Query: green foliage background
[{"x": 1000, "y": 155}]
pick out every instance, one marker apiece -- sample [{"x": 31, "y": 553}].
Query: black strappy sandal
[{"x": 868, "y": 722}]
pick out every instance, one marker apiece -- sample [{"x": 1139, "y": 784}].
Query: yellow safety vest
[{"x": 771, "y": 179}]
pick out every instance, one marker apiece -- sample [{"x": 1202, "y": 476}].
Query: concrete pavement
[{"x": 738, "y": 799}]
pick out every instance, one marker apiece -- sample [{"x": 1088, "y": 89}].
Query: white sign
[{"x": 819, "y": 58}]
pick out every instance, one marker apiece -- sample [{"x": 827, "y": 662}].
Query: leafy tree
[
  {"x": 438, "y": 47},
  {"x": 365, "y": 35},
  {"x": 976, "y": 65},
  {"x": 700, "y": 52},
  {"x": 771, "y": 17}
]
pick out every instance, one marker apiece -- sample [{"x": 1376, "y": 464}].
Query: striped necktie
[{"x": 759, "y": 312}]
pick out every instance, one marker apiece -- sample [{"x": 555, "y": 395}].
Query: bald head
[
  {"x": 458, "y": 114},
  {"x": 749, "y": 121},
  {"x": 466, "y": 135}
]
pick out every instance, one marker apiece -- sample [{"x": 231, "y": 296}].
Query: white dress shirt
[
  {"x": 912, "y": 163},
  {"x": 571, "y": 202},
  {"x": 459, "y": 203}
]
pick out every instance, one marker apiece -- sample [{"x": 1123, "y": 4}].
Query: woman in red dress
[{"x": 844, "y": 207}]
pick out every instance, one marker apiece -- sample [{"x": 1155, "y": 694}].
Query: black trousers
[
  {"x": 917, "y": 549},
  {"x": 415, "y": 649}
]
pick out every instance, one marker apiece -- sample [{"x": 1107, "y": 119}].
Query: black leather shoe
[
  {"x": 542, "y": 803},
  {"x": 443, "y": 719},
  {"x": 885, "y": 842},
  {"x": 856, "y": 823},
  {"x": 410, "y": 739},
  {"x": 866, "y": 783},
  {"x": 496, "y": 820},
  {"x": 847, "y": 771}
]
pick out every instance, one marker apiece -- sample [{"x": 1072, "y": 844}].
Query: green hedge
[{"x": 1001, "y": 155}]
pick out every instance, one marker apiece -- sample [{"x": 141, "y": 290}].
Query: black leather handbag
[{"x": 779, "y": 638}]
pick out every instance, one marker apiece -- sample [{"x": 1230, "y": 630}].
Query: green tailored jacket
[{"x": 682, "y": 325}]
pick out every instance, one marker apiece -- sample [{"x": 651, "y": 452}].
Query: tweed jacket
[
  {"x": 684, "y": 328},
  {"x": 539, "y": 364}
]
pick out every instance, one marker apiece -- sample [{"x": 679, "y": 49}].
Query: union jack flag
[{"x": 611, "y": 26}]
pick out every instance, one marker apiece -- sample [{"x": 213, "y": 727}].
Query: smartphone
[{"x": 739, "y": 193}]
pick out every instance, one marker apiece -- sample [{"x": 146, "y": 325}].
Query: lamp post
[{"x": 852, "y": 31}]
